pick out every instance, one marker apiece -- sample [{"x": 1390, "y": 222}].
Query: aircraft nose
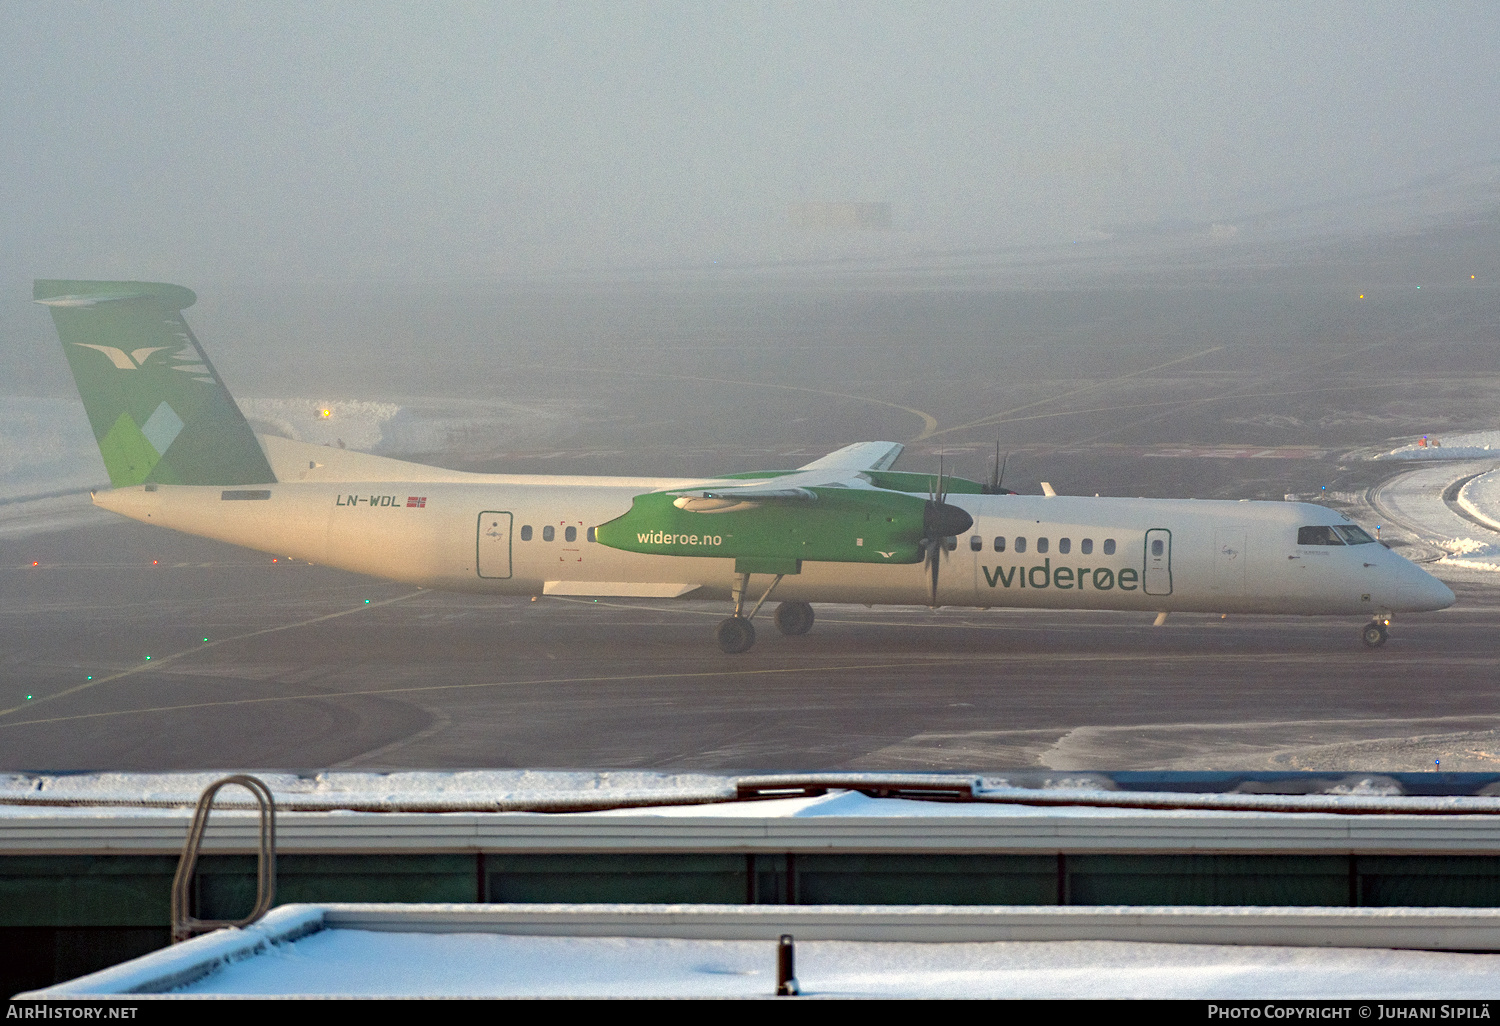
[
  {"x": 1426, "y": 591},
  {"x": 1441, "y": 595}
]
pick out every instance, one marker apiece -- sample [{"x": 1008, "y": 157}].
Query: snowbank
[
  {"x": 1480, "y": 498},
  {"x": 630, "y": 792},
  {"x": 1475, "y": 445},
  {"x": 364, "y": 963},
  {"x": 841, "y": 951}
]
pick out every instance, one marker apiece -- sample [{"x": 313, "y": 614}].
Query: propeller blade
[
  {"x": 933, "y": 560},
  {"x": 996, "y": 483}
]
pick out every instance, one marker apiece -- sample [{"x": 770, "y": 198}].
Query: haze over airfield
[
  {"x": 242, "y": 144},
  {"x": 1129, "y": 240}
]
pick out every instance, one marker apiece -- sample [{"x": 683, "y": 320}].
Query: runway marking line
[
  {"x": 929, "y": 422},
  {"x": 996, "y": 417},
  {"x": 164, "y": 660}
]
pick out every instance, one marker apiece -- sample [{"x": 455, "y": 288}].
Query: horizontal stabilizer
[{"x": 306, "y": 461}]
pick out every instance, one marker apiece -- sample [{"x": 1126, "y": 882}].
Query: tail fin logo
[{"x": 134, "y": 360}]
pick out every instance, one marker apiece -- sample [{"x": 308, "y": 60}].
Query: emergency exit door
[
  {"x": 1158, "y": 576},
  {"x": 493, "y": 545}
]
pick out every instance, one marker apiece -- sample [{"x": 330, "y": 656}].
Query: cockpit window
[
  {"x": 1355, "y": 535},
  {"x": 1318, "y": 535}
]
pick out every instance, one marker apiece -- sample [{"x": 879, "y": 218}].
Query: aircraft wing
[
  {"x": 843, "y": 468},
  {"x": 859, "y": 456}
]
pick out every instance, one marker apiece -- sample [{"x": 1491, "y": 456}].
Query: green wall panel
[
  {"x": 713, "y": 879},
  {"x": 1454, "y": 881},
  {"x": 926, "y": 879},
  {"x": 1208, "y": 880},
  {"x": 86, "y": 890},
  {"x": 226, "y": 883}
]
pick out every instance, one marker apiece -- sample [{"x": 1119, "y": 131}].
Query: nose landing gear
[{"x": 1374, "y": 632}]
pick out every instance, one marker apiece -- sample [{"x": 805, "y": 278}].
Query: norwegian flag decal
[{"x": 416, "y": 501}]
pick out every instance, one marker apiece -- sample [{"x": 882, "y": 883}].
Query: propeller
[
  {"x": 996, "y": 484},
  {"x": 940, "y": 520}
]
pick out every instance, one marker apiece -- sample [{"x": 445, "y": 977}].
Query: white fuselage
[{"x": 464, "y": 532}]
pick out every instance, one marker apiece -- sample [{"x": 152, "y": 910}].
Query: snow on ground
[
  {"x": 357, "y": 424},
  {"x": 634, "y": 793},
  {"x": 1470, "y": 446},
  {"x": 363, "y": 963},
  {"x": 46, "y": 447},
  {"x": 1480, "y": 498},
  {"x": 1415, "y": 500},
  {"x": 479, "y": 790}
]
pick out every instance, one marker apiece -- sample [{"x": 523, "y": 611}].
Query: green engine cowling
[{"x": 841, "y": 525}]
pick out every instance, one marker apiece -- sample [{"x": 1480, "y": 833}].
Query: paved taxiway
[
  {"x": 1246, "y": 371},
  {"x": 300, "y": 670}
]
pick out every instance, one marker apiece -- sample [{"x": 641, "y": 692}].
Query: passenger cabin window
[
  {"x": 1355, "y": 535},
  {"x": 999, "y": 544},
  {"x": 951, "y": 542},
  {"x": 1020, "y": 544},
  {"x": 548, "y": 533},
  {"x": 1086, "y": 546},
  {"x": 590, "y": 534},
  {"x": 526, "y": 533},
  {"x": 1063, "y": 545},
  {"x": 570, "y": 534},
  {"x": 1041, "y": 544},
  {"x": 1318, "y": 535},
  {"x": 976, "y": 543},
  {"x": 1109, "y": 546},
  {"x": 1157, "y": 548}
]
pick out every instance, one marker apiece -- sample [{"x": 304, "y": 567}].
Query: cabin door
[
  {"x": 493, "y": 545},
  {"x": 1158, "y": 578}
]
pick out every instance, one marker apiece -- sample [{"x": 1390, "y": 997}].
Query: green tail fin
[{"x": 157, "y": 406}]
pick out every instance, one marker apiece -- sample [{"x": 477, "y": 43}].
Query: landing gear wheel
[
  {"x": 736, "y": 634},
  {"x": 1374, "y": 634},
  {"x": 794, "y": 617}
]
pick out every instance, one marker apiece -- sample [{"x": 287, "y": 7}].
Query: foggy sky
[{"x": 262, "y": 141}]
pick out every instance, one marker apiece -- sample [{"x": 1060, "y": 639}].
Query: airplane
[{"x": 844, "y": 528}]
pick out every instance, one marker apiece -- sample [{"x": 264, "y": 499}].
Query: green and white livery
[
  {"x": 845, "y": 528},
  {"x": 155, "y": 402}
]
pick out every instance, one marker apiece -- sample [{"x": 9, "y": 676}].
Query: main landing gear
[
  {"x": 737, "y": 633},
  {"x": 794, "y": 617},
  {"x": 1374, "y": 632}
]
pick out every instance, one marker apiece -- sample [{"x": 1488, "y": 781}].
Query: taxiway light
[
  {"x": 367, "y": 602},
  {"x": 28, "y": 698},
  {"x": 328, "y": 413},
  {"x": 148, "y": 659},
  {"x": 35, "y": 563}
]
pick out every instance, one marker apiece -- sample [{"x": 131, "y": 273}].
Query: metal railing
[{"x": 184, "y": 924}]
